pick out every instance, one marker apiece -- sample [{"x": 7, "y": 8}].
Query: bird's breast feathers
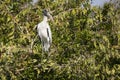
[
  {"x": 43, "y": 25},
  {"x": 42, "y": 29}
]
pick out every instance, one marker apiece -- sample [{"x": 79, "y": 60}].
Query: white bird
[{"x": 44, "y": 31}]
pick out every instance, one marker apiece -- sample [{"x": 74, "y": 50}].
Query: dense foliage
[{"x": 86, "y": 41}]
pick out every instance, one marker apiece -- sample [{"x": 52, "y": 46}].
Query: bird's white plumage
[{"x": 44, "y": 33}]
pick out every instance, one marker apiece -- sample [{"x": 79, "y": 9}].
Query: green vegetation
[{"x": 86, "y": 41}]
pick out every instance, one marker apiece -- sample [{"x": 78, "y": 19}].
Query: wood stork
[{"x": 44, "y": 31}]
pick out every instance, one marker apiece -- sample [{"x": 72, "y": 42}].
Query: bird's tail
[{"x": 46, "y": 47}]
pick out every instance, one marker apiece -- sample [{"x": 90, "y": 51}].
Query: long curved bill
[{"x": 50, "y": 17}]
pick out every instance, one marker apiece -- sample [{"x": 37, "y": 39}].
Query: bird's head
[{"x": 47, "y": 14}]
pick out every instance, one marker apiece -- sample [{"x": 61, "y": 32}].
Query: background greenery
[{"x": 86, "y": 41}]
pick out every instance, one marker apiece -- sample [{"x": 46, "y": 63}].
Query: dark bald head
[{"x": 47, "y": 14}]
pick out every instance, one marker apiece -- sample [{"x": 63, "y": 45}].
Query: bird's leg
[
  {"x": 42, "y": 49},
  {"x": 49, "y": 52}
]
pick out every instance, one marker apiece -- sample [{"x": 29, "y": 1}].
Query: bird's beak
[{"x": 50, "y": 17}]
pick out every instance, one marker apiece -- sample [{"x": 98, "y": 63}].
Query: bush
[{"x": 86, "y": 41}]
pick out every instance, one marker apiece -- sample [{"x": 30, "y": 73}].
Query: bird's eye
[{"x": 45, "y": 11}]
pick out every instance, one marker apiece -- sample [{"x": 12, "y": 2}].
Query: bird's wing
[{"x": 49, "y": 35}]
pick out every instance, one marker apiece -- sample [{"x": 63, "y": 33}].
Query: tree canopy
[{"x": 86, "y": 41}]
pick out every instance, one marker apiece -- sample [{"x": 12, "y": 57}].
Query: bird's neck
[{"x": 45, "y": 18}]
